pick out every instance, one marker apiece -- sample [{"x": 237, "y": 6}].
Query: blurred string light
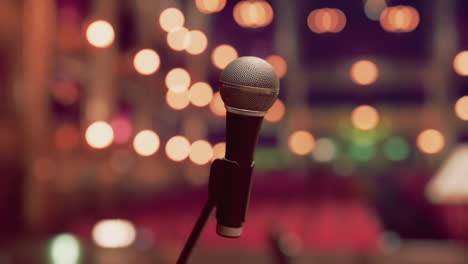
[
  {"x": 177, "y": 101},
  {"x": 279, "y": 65},
  {"x": 219, "y": 150},
  {"x": 195, "y": 42},
  {"x": 276, "y": 112},
  {"x": 326, "y": 20},
  {"x": 399, "y": 19},
  {"x": 100, "y": 34},
  {"x": 325, "y": 150},
  {"x": 217, "y": 105},
  {"x": 461, "y": 108},
  {"x": 365, "y": 117},
  {"x": 460, "y": 63},
  {"x": 99, "y": 135},
  {"x": 146, "y": 143},
  {"x": 364, "y": 72},
  {"x": 210, "y": 6},
  {"x": 253, "y": 13},
  {"x": 363, "y": 152},
  {"x": 301, "y": 142},
  {"x": 67, "y": 137},
  {"x": 178, "y": 39},
  {"x": 65, "y": 92},
  {"x": 373, "y": 9},
  {"x": 171, "y": 19},
  {"x": 65, "y": 249},
  {"x": 430, "y": 141},
  {"x": 178, "y": 80},
  {"x": 222, "y": 55},
  {"x": 146, "y": 62},
  {"x": 123, "y": 129},
  {"x": 201, "y": 152},
  {"x": 200, "y": 94},
  {"x": 114, "y": 233},
  {"x": 396, "y": 149},
  {"x": 177, "y": 148}
]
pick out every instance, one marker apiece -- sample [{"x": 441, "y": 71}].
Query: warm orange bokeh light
[
  {"x": 178, "y": 39},
  {"x": 301, "y": 142},
  {"x": 399, "y": 19},
  {"x": 279, "y": 65},
  {"x": 219, "y": 150},
  {"x": 178, "y": 80},
  {"x": 177, "y": 101},
  {"x": 460, "y": 63},
  {"x": 461, "y": 108},
  {"x": 201, "y": 152},
  {"x": 365, "y": 117},
  {"x": 99, "y": 135},
  {"x": 217, "y": 105},
  {"x": 178, "y": 148},
  {"x": 276, "y": 112},
  {"x": 197, "y": 42},
  {"x": 364, "y": 72},
  {"x": 430, "y": 141},
  {"x": 100, "y": 34},
  {"x": 146, "y": 61},
  {"x": 200, "y": 94},
  {"x": 67, "y": 137},
  {"x": 253, "y": 13},
  {"x": 210, "y": 6},
  {"x": 223, "y": 55},
  {"x": 146, "y": 143},
  {"x": 326, "y": 20},
  {"x": 171, "y": 19}
]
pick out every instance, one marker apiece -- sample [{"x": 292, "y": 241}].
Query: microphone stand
[{"x": 214, "y": 190}]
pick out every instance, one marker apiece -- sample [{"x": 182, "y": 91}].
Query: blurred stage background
[{"x": 110, "y": 117}]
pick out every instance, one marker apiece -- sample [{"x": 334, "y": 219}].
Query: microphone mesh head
[{"x": 249, "y": 84}]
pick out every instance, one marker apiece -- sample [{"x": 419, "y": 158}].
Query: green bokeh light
[
  {"x": 396, "y": 149},
  {"x": 363, "y": 152},
  {"x": 64, "y": 249}
]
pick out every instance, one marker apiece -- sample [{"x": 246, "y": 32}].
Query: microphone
[{"x": 248, "y": 87}]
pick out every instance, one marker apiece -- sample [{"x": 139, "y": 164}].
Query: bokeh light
[
  {"x": 123, "y": 129},
  {"x": 222, "y": 55},
  {"x": 461, "y": 108},
  {"x": 210, "y": 6},
  {"x": 374, "y": 8},
  {"x": 301, "y": 142},
  {"x": 65, "y": 249},
  {"x": 178, "y": 80},
  {"x": 178, "y": 40},
  {"x": 396, "y": 149},
  {"x": 326, "y": 20},
  {"x": 365, "y": 117},
  {"x": 196, "y": 42},
  {"x": 146, "y": 143},
  {"x": 67, "y": 137},
  {"x": 217, "y": 105},
  {"x": 114, "y": 233},
  {"x": 276, "y": 112},
  {"x": 253, "y": 13},
  {"x": 146, "y": 61},
  {"x": 325, "y": 150},
  {"x": 364, "y": 72},
  {"x": 200, "y": 94},
  {"x": 460, "y": 63},
  {"x": 201, "y": 152},
  {"x": 177, "y": 101},
  {"x": 363, "y": 152},
  {"x": 430, "y": 141},
  {"x": 219, "y": 150},
  {"x": 177, "y": 148},
  {"x": 99, "y": 135},
  {"x": 279, "y": 65},
  {"x": 100, "y": 34},
  {"x": 399, "y": 19},
  {"x": 171, "y": 19}
]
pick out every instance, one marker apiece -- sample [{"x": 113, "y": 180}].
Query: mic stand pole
[{"x": 216, "y": 172}]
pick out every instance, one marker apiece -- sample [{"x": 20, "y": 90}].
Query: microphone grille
[{"x": 250, "y": 84}]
